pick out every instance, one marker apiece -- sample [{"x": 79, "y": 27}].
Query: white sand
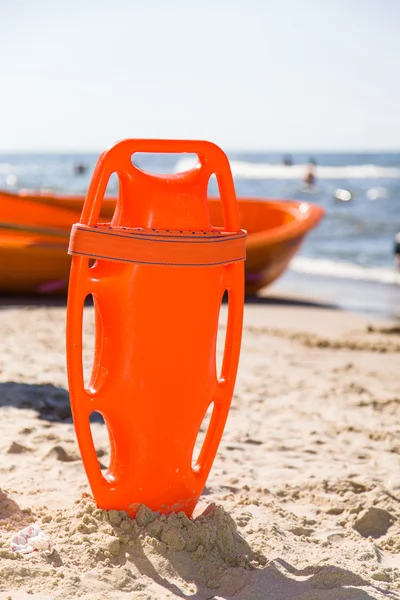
[{"x": 306, "y": 483}]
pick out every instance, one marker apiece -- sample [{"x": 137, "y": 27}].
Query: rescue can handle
[{"x": 117, "y": 159}]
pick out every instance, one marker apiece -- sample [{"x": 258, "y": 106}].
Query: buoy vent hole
[
  {"x": 201, "y": 436},
  {"x": 101, "y": 440},
  {"x": 221, "y": 336},
  {"x": 159, "y": 163},
  {"x": 88, "y": 340}
]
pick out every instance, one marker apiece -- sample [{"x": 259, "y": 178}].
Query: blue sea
[{"x": 347, "y": 260}]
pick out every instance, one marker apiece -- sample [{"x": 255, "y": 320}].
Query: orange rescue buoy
[{"x": 160, "y": 272}]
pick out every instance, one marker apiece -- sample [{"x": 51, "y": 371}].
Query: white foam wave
[
  {"x": 5, "y": 168},
  {"x": 248, "y": 170},
  {"x": 25, "y": 169},
  {"x": 343, "y": 270}
]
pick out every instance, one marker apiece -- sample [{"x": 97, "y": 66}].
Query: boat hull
[{"x": 34, "y": 259}]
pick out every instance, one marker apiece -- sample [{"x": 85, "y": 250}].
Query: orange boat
[{"x": 33, "y": 242}]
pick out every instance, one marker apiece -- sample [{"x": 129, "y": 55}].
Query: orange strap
[{"x": 158, "y": 247}]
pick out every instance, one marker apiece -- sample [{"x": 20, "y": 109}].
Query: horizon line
[{"x": 227, "y": 151}]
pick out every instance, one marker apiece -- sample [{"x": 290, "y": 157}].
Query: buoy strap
[{"x": 158, "y": 246}]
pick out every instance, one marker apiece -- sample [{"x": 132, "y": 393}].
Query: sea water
[{"x": 349, "y": 256}]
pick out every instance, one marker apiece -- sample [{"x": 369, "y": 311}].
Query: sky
[{"x": 78, "y": 75}]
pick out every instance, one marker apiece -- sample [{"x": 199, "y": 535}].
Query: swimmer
[
  {"x": 80, "y": 169},
  {"x": 309, "y": 177},
  {"x": 287, "y": 160},
  {"x": 397, "y": 249}
]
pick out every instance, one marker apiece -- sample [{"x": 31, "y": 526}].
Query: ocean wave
[
  {"x": 247, "y": 170},
  {"x": 25, "y": 169},
  {"x": 343, "y": 270},
  {"x": 5, "y": 168}
]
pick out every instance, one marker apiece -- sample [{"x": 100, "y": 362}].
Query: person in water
[
  {"x": 397, "y": 249},
  {"x": 80, "y": 169},
  {"x": 309, "y": 177},
  {"x": 287, "y": 160}
]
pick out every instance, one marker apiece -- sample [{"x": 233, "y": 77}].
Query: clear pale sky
[{"x": 250, "y": 74}]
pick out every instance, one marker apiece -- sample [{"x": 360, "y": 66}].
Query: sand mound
[
  {"x": 368, "y": 340},
  {"x": 110, "y": 550},
  {"x": 105, "y": 554}
]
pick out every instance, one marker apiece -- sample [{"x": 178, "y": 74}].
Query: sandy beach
[{"x": 302, "y": 503}]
